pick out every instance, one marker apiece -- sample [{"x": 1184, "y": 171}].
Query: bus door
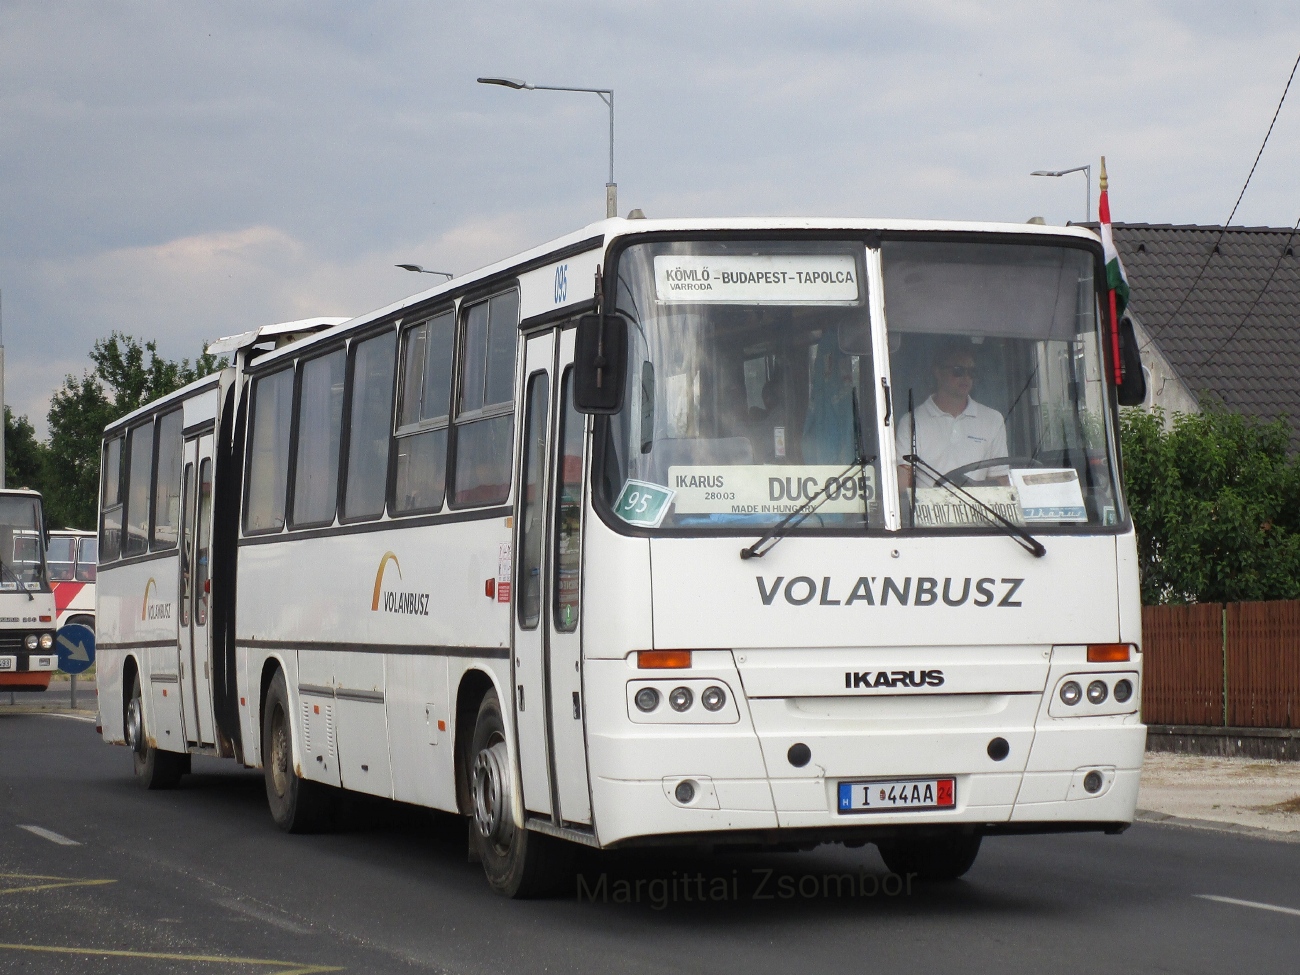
[
  {"x": 195, "y": 591},
  {"x": 548, "y": 660}
]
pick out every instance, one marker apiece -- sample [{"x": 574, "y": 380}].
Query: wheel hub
[
  {"x": 135, "y": 726},
  {"x": 490, "y": 782}
]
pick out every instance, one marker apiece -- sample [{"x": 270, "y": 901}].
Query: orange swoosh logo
[{"x": 379, "y": 578}]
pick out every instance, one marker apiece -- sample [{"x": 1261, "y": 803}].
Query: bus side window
[
  {"x": 368, "y": 425},
  {"x": 139, "y": 452},
  {"x": 59, "y": 558},
  {"x": 110, "y": 526},
  {"x": 187, "y": 544},
  {"x": 529, "y": 593},
  {"x": 485, "y": 409},
  {"x": 268, "y": 453},
  {"x": 568, "y": 509},
  {"x": 320, "y": 422},
  {"x": 202, "y": 568},
  {"x": 87, "y": 559},
  {"x": 167, "y": 482},
  {"x": 420, "y": 481}
]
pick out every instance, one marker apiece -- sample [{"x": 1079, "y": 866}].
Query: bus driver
[{"x": 952, "y": 429}]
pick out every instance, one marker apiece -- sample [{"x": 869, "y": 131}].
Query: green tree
[
  {"x": 24, "y": 454},
  {"x": 1216, "y": 503},
  {"x": 127, "y": 375}
]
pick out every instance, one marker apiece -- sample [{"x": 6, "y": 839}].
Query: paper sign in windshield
[
  {"x": 1050, "y": 494},
  {"x": 941, "y": 508},
  {"x": 757, "y": 279},
  {"x": 758, "y": 489}
]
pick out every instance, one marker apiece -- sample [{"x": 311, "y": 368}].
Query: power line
[
  {"x": 1251, "y": 310},
  {"x": 1224, "y": 229}
]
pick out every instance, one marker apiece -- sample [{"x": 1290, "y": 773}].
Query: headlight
[
  {"x": 647, "y": 699},
  {"x": 1123, "y": 691},
  {"x": 713, "y": 698},
  {"x": 47, "y": 640},
  {"x": 680, "y": 698},
  {"x": 1070, "y": 693},
  {"x": 31, "y": 641},
  {"x": 1098, "y": 692}
]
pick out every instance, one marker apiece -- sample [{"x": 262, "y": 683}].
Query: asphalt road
[{"x": 201, "y": 876}]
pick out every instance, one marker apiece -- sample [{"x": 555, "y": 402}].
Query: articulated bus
[
  {"x": 27, "y": 654},
  {"x": 72, "y": 558},
  {"x": 737, "y": 532}
]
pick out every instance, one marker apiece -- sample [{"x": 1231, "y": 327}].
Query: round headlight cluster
[
  {"x": 1098, "y": 692},
  {"x": 30, "y": 641},
  {"x": 1123, "y": 691},
  {"x": 1071, "y": 692},
  {"x": 713, "y": 698},
  {"x": 647, "y": 699},
  {"x": 47, "y": 640}
]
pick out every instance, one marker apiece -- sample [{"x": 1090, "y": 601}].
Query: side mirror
[
  {"x": 599, "y": 364},
  {"x": 1132, "y": 390}
]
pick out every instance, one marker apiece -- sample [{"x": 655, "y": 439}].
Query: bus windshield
[
  {"x": 751, "y": 387},
  {"x": 21, "y": 543}
]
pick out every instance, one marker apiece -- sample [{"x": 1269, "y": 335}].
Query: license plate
[
  {"x": 892, "y": 795},
  {"x": 8, "y": 663}
]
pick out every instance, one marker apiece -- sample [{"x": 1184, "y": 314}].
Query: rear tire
[
  {"x": 297, "y": 805},
  {"x": 518, "y": 862},
  {"x": 154, "y": 769},
  {"x": 945, "y": 857}
]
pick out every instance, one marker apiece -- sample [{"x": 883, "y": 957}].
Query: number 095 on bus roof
[{"x": 890, "y": 795}]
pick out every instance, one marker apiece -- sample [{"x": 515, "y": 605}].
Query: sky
[{"x": 179, "y": 171}]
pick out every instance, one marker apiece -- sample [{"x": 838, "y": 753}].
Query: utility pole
[{"x": 2, "y": 392}]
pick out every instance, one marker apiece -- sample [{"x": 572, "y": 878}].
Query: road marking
[
  {"x": 57, "y": 882},
  {"x": 1255, "y": 904},
  {"x": 71, "y": 717},
  {"x": 49, "y": 834},
  {"x": 295, "y": 968}
]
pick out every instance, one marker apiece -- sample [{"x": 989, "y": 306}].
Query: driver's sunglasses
[{"x": 962, "y": 372}]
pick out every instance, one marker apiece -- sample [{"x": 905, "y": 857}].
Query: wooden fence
[{"x": 1214, "y": 664}]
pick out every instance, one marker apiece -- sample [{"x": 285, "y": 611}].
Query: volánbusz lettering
[{"x": 910, "y": 591}]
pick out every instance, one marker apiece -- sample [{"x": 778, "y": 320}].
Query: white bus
[
  {"x": 27, "y": 654},
  {"x": 772, "y": 532},
  {"x": 72, "y": 559}
]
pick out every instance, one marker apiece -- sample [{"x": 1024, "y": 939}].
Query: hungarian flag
[{"x": 1116, "y": 279}]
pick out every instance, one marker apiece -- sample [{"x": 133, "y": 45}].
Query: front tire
[
  {"x": 945, "y": 857},
  {"x": 154, "y": 769},
  {"x": 297, "y": 805},
  {"x": 518, "y": 862}
]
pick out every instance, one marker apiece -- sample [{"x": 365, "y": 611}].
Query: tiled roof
[{"x": 1237, "y": 334}]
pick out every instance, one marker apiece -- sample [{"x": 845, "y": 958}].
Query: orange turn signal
[
  {"x": 663, "y": 659},
  {"x": 1108, "y": 653}
]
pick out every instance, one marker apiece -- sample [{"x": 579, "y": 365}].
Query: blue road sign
[{"x": 76, "y": 646}]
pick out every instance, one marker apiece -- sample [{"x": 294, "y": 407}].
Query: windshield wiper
[
  {"x": 17, "y": 581},
  {"x": 1021, "y": 537},
  {"x": 792, "y": 520}
]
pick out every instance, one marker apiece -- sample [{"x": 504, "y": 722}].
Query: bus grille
[{"x": 11, "y": 641}]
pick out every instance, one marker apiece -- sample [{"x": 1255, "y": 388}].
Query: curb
[{"x": 1215, "y": 826}]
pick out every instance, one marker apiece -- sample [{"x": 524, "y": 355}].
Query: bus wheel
[
  {"x": 297, "y": 805},
  {"x": 154, "y": 769},
  {"x": 931, "y": 857},
  {"x": 518, "y": 862}
]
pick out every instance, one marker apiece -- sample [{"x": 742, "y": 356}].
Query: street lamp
[
  {"x": 419, "y": 270},
  {"x": 606, "y": 96},
  {"x": 1087, "y": 175}
]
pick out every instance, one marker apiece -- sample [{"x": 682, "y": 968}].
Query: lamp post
[
  {"x": 419, "y": 270},
  {"x": 606, "y": 96},
  {"x": 1087, "y": 175}
]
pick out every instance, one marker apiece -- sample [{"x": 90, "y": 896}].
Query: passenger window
[
  {"x": 138, "y": 477},
  {"x": 110, "y": 527},
  {"x": 268, "y": 455},
  {"x": 202, "y": 559},
  {"x": 187, "y": 544},
  {"x": 529, "y": 590},
  {"x": 568, "y": 510},
  {"x": 368, "y": 427},
  {"x": 485, "y": 421},
  {"x": 87, "y": 559},
  {"x": 420, "y": 482},
  {"x": 59, "y": 559},
  {"x": 320, "y": 421},
  {"x": 167, "y": 482}
]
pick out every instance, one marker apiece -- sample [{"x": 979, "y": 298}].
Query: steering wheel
[{"x": 961, "y": 472}]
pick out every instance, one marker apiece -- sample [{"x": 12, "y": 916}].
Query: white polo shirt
[{"x": 947, "y": 442}]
